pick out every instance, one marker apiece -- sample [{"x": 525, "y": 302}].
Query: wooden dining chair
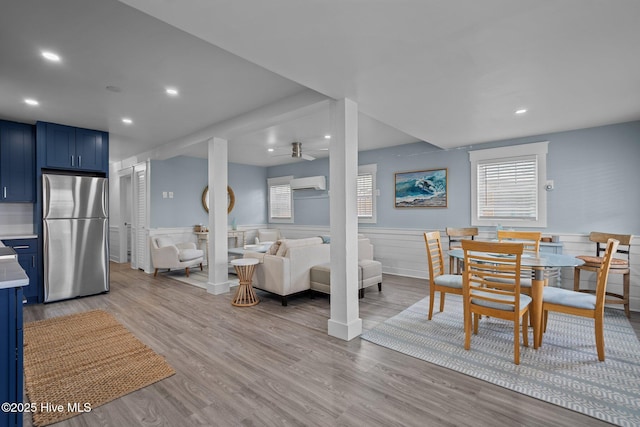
[
  {"x": 438, "y": 280},
  {"x": 456, "y": 235},
  {"x": 484, "y": 263},
  {"x": 618, "y": 266},
  {"x": 531, "y": 242},
  {"x": 583, "y": 304}
]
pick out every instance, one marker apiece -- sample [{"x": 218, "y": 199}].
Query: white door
[
  {"x": 139, "y": 219},
  {"x": 124, "y": 228}
]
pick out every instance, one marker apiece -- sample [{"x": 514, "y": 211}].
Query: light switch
[
  {"x": 164, "y": 194},
  {"x": 171, "y": 194}
]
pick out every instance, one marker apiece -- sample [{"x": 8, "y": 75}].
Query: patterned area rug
[
  {"x": 75, "y": 363},
  {"x": 565, "y": 371}
]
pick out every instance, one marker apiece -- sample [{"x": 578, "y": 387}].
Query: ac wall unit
[{"x": 309, "y": 183}]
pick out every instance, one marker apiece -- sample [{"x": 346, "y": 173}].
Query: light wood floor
[{"x": 270, "y": 365}]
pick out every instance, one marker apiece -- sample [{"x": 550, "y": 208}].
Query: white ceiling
[{"x": 448, "y": 72}]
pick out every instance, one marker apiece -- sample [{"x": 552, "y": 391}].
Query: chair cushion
[
  {"x": 525, "y": 300},
  {"x": 569, "y": 298},
  {"x": 163, "y": 241},
  {"x": 189, "y": 254},
  {"x": 525, "y": 282},
  {"x": 449, "y": 280},
  {"x": 596, "y": 261}
]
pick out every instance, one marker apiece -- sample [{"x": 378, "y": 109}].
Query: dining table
[{"x": 539, "y": 262}]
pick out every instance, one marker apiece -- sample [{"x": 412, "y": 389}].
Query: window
[
  {"x": 366, "y": 193},
  {"x": 280, "y": 199},
  {"x": 507, "y": 186}
]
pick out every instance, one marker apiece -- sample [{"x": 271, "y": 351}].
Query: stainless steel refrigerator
[{"x": 75, "y": 236}]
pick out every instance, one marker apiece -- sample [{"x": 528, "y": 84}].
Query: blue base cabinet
[
  {"x": 27, "y": 250},
  {"x": 11, "y": 362}
]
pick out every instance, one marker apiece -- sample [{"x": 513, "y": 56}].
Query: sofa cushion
[
  {"x": 189, "y": 254},
  {"x": 286, "y": 244},
  {"x": 163, "y": 241}
]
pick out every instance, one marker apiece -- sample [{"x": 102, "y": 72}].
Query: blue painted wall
[
  {"x": 595, "y": 172},
  {"x": 186, "y": 177}
]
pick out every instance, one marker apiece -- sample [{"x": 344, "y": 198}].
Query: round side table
[{"x": 245, "y": 295}]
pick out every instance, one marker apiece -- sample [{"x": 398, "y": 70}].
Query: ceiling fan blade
[{"x": 307, "y": 157}]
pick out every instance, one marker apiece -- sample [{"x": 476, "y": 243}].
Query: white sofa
[{"x": 287, "y": 272}]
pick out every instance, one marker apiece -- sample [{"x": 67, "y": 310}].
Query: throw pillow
[{"x": 273, "y": 249}]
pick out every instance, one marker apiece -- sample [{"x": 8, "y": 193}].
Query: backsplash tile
[{"x": 16, "y": 218}]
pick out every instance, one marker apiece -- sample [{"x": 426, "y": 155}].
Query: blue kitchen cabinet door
[
  {"x": 60, "y": 146},
  {"x": 91, "y": 150},
  {"x": 17, "y": 162},
  {"x": 11, "y": 354}
]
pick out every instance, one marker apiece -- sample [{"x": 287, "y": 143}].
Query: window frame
[
  {"x": 372, "y": 170},
  {"x": 277, "y": 181},
  {"x": 514, "y": 152}
]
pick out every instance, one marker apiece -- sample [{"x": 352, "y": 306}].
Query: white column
[
  {"x": 343, "y": 215},
  {"x": 218, "y": 255}
]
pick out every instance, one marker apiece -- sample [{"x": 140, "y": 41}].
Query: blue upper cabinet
[
  {"x": 67, "y": 147},
  {"x": 17, "y": 162}
]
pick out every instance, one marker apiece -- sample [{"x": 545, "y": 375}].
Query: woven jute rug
[{"x": 75, "y": 363}]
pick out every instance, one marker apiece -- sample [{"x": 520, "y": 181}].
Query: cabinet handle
[
  {"x": 33, "y": 261},
  {"x": 79, "y": 161},
  {"x": 71, "y": 160},
  {"x": 4, "y": 192},
  {"x": 20, "y": 247}
]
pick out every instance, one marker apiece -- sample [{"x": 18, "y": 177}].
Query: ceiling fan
[{"x": 296, "y": 152}]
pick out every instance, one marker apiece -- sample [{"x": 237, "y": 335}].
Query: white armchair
[
  {"x": 268, "y": 235},
  {"x": 166, "y": 254}
]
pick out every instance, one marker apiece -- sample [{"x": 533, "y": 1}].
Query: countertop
[
  {"x": 18, "y": 236},
  {"x": 11, "y": 274}
]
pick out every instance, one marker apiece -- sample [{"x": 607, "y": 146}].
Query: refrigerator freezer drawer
[{"x": 76, "y": 258}]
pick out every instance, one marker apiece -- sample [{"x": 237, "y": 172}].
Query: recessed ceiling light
[
  {"x": 114, "y": 89},
  {"x": 172, "y": 91},
  {"x": 327, "y": 137},
  {"x": 127, "y": 120},
  {"x": 31, "y": 101},
  {"x": 270, "y": 150},
  {"x": 51, "y": 56},
  {"x": 521, "y": 111}
]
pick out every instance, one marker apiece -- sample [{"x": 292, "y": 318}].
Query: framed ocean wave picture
[{"x": 421, "y": 189}]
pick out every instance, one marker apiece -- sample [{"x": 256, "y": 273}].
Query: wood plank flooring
[{"x": 270, "y": 365}]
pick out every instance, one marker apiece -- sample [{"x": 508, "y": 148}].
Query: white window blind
[
  {"x": 508, "y": 189},
  {"x": 280, "y": 201},
  {"x": 365, "y": 195},
  {"x": 507, "y": 185}
]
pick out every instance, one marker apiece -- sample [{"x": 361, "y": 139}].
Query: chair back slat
[{"x": 530, "y": 239}]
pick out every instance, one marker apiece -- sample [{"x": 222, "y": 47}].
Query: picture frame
[{"x": 421, "y": 189}]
